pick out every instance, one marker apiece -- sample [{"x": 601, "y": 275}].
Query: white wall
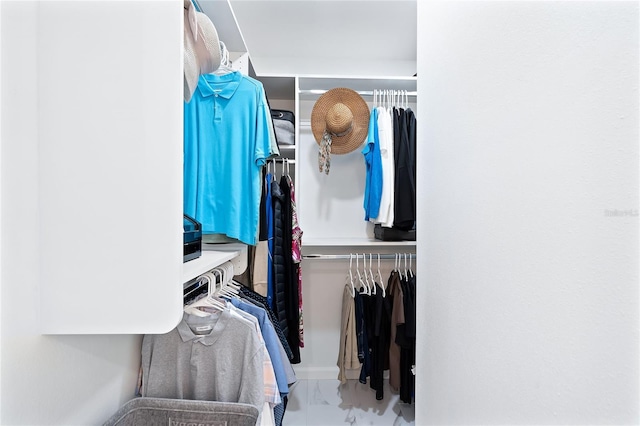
[
  {"x": 528, "y": 145},
  {"x": 56, "y": 380}
]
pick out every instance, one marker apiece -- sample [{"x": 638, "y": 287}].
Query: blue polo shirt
[
  {"x": 226, "y": 142},
  {"x": 373, "y": 163}
]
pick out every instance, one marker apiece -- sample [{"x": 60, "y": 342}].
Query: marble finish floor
[{"x": 326, "y": 403}]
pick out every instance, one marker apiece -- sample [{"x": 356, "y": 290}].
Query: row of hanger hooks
[
  {"x": 389, "y": 98},
  {"x": 366, "y": 277},
  {"x": 220, "y": 283},
  {"x": 272, "y": 169}
]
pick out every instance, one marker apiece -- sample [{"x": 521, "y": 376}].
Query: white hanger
[
  {"x": 364, "y": 272},
  {"x": 217, "y": 276},
  {"x": 207, "y": 301},
  {"x": 410, "y": 269},
  {"x": 353, "y": 288},
  {"x": 362, "y": 284},
  {"x": 226, "y": 288},
  {"x": 406, "y": 276},
  {"x": 232, "y": 285},
  {"x": 373, "y": 279},
  {"x": 224, "y": 61},
  {"x": 384, "y": 293}
]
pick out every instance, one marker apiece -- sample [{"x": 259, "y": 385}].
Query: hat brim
[
  {"x": 360, "y": 126},
  {"x": 201, "y": 56}
]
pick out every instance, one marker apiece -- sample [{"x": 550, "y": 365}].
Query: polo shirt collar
[
  {"x": 226, "y": 84},
  {"x": 219, "y": 324}
]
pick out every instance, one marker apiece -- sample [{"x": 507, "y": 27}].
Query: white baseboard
[{"x": 316, "y": 373}]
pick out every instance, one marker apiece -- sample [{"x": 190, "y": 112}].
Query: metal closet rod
[
  {"x": 360, "y": 92},
  {"x": 386, "y": 256}
]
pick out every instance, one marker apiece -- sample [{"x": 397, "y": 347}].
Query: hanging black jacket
[
  {"x": 404, "y": 124},
  {"x": 291, "y": 273},
  {"x": 278, "y": 270}
]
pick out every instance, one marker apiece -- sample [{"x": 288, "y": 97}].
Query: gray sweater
[{"x": 214, "y": 358}]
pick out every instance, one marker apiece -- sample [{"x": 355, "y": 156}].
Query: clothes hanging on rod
[
  {"x": 378, "y": 328},
  {"x": 389, "y": 199},
  {"x": 385, "y": 139},
  {"x": 204, "y": 340}
]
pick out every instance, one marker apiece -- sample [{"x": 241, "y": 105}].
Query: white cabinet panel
[{"x": 110, "y": 166}]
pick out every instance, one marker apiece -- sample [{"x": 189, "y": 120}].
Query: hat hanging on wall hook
[{"x": 339, "y": 121}]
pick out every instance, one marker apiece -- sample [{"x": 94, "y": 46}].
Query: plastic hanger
[
  {"x": 207, "y": 301},
  {"x": 214, "y": 295},
  {"x": 275, "y": 170},
  {"x": 224, "y": 61},
  {"x": 370, "y": 285},
  {"x": 231, "y": 284},
  {"x": 226, "y": 289},
  {"x": 406, "y": 276},
  {"x": 366, "y": 274},
  {"x": 363, "y": 287},
  {"x": 410, "y": 268},
  {"x": 353, "y": 288},
  {"x": 384, "y": 292},
  {"x": 373, "y": 279}
]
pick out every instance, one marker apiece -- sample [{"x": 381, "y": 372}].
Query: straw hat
[
  {"x": 344, "y": 116},
  {"x": 201, "y": 48}
]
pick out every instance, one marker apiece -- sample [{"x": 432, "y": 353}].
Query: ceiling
[{"x": 352, "y": 37}]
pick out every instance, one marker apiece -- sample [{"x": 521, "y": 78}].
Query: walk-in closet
[{"x": 385, "y": 212}]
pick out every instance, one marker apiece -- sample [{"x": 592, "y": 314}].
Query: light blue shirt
[
  {"x": 226, "y": 142},
  {"x": 270, "y": 340},
  {"x": 373, "y": 163}
]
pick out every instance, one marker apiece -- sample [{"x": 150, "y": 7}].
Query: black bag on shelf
[
  {"x": 284, "y": 126},
  {"x": 393, "y": 234}
]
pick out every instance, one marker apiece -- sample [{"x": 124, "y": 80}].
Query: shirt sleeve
[{"x": 263, "y": 139}]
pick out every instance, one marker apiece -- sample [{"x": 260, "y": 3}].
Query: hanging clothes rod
[
  {"x": 353, "y": 255},
  {"x": 360, "y": 92}
]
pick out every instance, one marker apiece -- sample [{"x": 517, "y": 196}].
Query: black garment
[
  {"x": 368, "y": 325},
  {"x": 359, "y": 326},
  {"x": 261, "y": 301},
  {"x": 292, "y": 307},
  {"x": 412, "y": 126},
  {"x": 263, "y": 234},
  {"x": 278, "y": 270},
  {"x": 405, "y": 337},
  {"x": 405, "y": 187},
  {"x": 381, "y": 340}
]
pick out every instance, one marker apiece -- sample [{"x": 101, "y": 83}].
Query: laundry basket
[{"x": 162, "y": 411}]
